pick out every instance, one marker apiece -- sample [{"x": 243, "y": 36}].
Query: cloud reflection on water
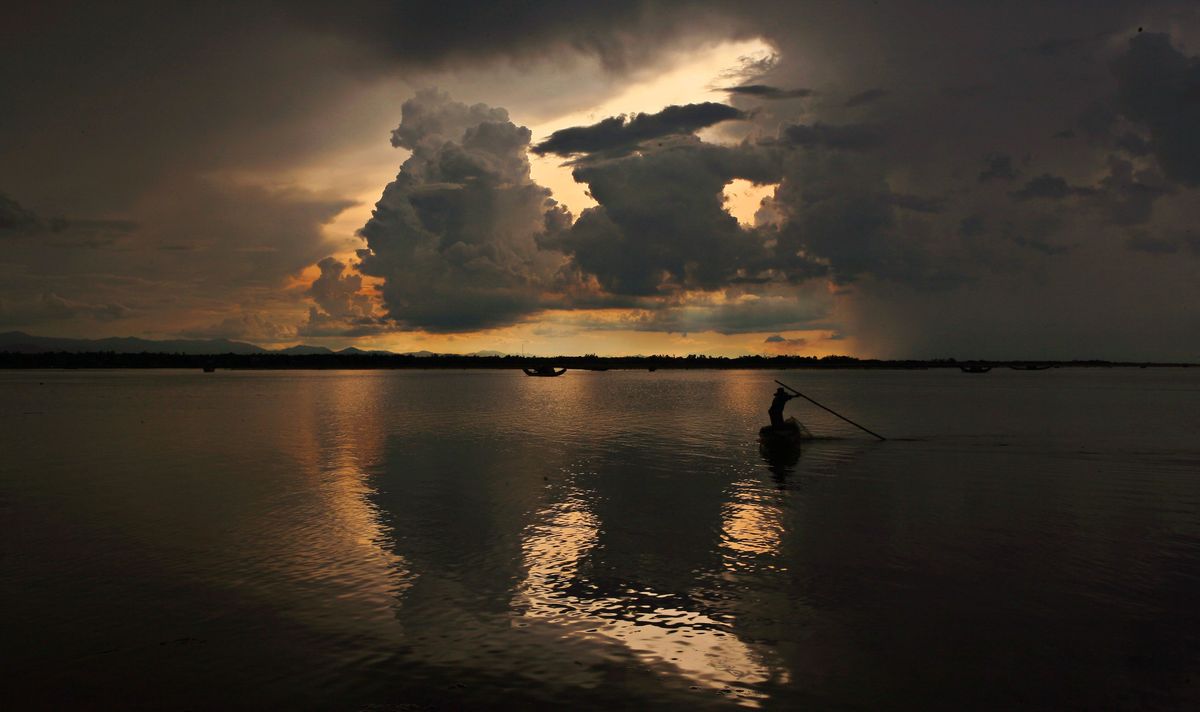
[{"x": 675, "y": 642}]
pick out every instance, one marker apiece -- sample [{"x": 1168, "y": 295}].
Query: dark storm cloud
[
  {"x": 1143, "y": 242},
  {"x": 1132, "y": 144},
  {"x": 764, "y": 91},
  {"x": 1158, "y": 88},
  {"x": 972, "y": 226},
  {"x": 840, "y": 213},
  {"x": 620, "y": 33},
  {"x": 16, "y": 220},
  {"x": 164, "y": 115},
  {"x": 916, "y": 203},
  {"x": 620, "y": 134},
  {"x": 661, "y": 222},
  {"x": 1058, "y": 46},
  {"x": 1036, "y": 234},
  {"x": 865, "y": 97},
  {"x": 122, "y": 110},
  {"x": 998, "y": 167},
  {"x": 1128, "y": 196},
  {"x": 1049, "y": 187},
  {"x": 455, "y": 236},
  {"x": 1125, "y": 196},
  {"x": 850, "y": 137},
  {"x": 50, "y": 307}
]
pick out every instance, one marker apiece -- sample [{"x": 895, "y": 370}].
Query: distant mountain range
[{"x": 20, "y": 342}]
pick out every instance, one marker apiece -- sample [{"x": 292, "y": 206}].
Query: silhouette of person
[{"x": 776, "y": 410}]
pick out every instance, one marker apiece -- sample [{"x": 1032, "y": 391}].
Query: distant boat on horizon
[
  {"x": 975, "y": 369},
  {"x": 544, "y": 371}
]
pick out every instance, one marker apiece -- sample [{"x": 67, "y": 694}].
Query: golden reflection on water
[
  {"x": 686, "y": 644},
  {"x": 337, "y": 542},
  {"x": 752, "y": 524}
]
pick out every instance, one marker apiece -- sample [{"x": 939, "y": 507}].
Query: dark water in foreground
[{"x": 412, "y": 540}]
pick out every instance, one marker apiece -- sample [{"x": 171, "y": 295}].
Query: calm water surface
[{"x": 425, "y": 540}]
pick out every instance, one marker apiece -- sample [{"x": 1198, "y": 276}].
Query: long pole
[{"x": 810, "y": 400}]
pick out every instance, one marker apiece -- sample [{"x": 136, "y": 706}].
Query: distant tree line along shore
[{"x": 267, "y": 361}]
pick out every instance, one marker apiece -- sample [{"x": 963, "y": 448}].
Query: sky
[{"x": 876, "y": 179}]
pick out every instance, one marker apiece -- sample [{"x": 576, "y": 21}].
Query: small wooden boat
[
  {"x": 544, "y": 371},
  {"x": 975, "y": 369},
  {"x": 790, "y": 435},
  {"x": 210, "y": 369}
]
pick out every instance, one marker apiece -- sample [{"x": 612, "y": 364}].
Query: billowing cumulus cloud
[
  {"x": 1028, "y": 159},
  {"x": 337, "y": 294},
  {"x": 455, "y": 236},
  {"x": 342, "y": 308},
  {"x": 661, "y": 223}
]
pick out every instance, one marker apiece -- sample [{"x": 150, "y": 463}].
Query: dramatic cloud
[
  {"x": 245, "y": 326},
  {"x": 839, "y": 212},
  {"x": 455, "y": 236},
  {"x": 1141, "y": 242},
  {"x": 1048, "y": 187},
  {"x": 999, "y": 167},
  {"x": 341, "y": 306},
  {"x": 16, "y": 220},
  {"x": 621, "y": 33},
  {"x": 337, "y": 294},
  {"x": 782, "y": 345},
  {"x": 851, "y": 137},
  {"x": 1158, "y": 89},
  {"x": 620, "y": 134},
  {"x": 661, "y": 224},
  {"x": 1026, "y": 159},
  {"x": 866, "y": 97},
  {"x": 1129, "y": 195},
  {"x": 49, "y": 307},
  {"x": 764, "y": 91}
]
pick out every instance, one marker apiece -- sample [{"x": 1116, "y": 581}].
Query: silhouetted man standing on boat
[{"x": 776, "y": 409}]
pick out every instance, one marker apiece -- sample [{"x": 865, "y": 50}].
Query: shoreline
[{"x": 279, "y": 362}]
